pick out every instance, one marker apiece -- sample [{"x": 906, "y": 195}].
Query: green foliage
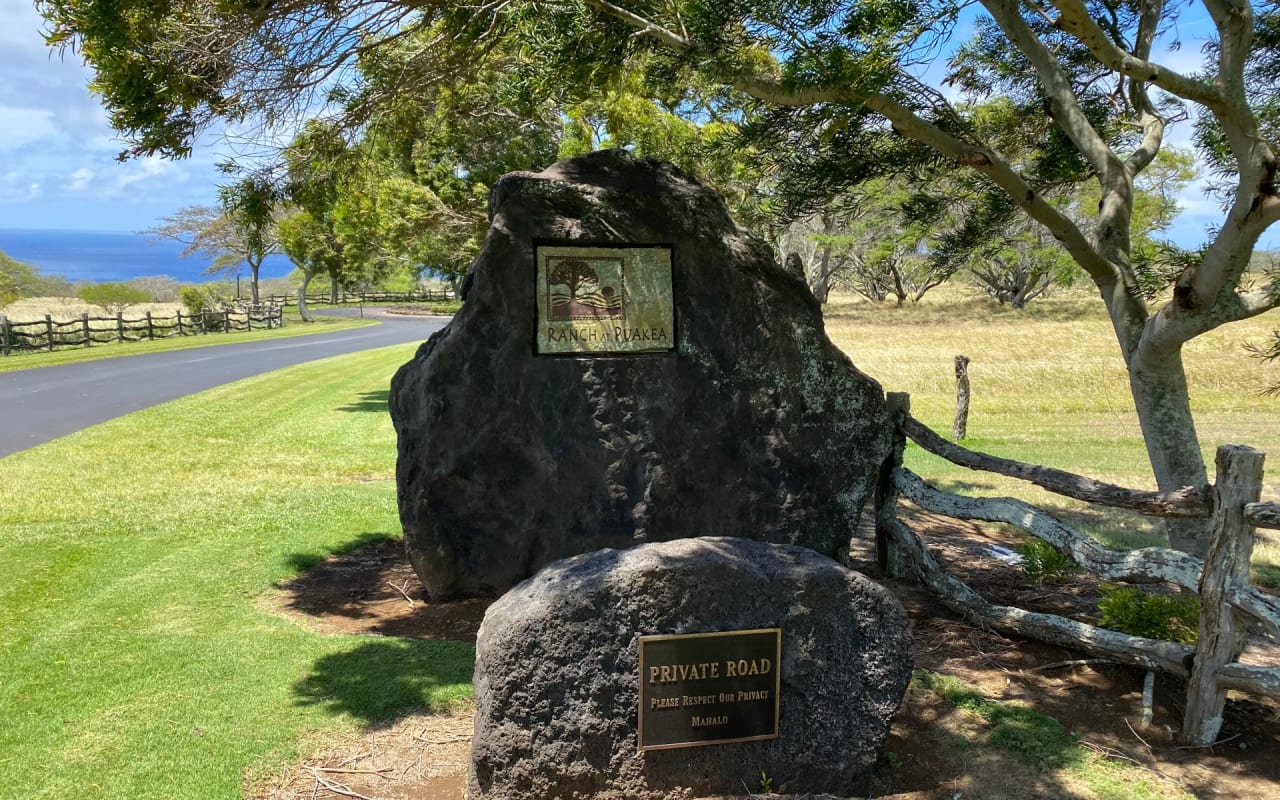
[
  {"x": 8, "y": 289},
  {"x": 1156, "y": 616},
  {"x": 113, "y": 295},
  {"x": 766, "y": 783},
  {"x": 204, "y": 301},
  {"x": 1045, "y": 563},
  {"x": 138, "y": 637},
  {"x": 25, "y": 280}
]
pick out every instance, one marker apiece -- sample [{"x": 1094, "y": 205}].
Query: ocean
[{"x": 116, "y": 256}]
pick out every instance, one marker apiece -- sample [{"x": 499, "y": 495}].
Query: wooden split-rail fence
[
  {"x": 366, "y": 298},
  {"x": 49, "y": 334},
  {"x": 1229, "y": 604}
]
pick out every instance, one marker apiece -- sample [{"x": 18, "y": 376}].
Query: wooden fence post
[
  {"x": 151, "y": 331},
  {"x": 180, "y": 331},
  {"x": 226, "y": 320},
  {"x": 891, "y": 562},
  {"x": 84, "y": 319},
  {"x": 5, "y": 346},
  {"x": 961, "y": 427},
  {"x": 48, "y": 329},
  {"x": 1226, "y": 566}
]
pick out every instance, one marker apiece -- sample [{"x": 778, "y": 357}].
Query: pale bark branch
[
  {"x": 1263, "y": 681},
  {"x": 1150, "y": 654},
  {"x": 1074, "y": 18},
  {"x": 1066, "y": 107},
  {"x": 1153, "y": 124},
  {"x": 644, "y": 26},
  {"x": 1263, "y": 515},
  {"x": 1000, "y": 172},
  {"x": 1263, "y": 608},
  {"x": 1189, "y": 502},
  {"x": 1146, "y": 565}
]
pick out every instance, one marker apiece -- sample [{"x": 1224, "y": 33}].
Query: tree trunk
[
  {"x": 1158, "y": 383},
  {"x": 254, "y": 264},
  {"x": 302, "y": 296},
  {"x": 820, "y": 285},
  {"x": 333, "y": 289}
]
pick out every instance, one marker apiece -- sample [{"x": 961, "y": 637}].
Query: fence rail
[
  {"x": 49, "y": 335},
  {"x": 1221, "y": 578},
  {"x": 422, "y": 296}
]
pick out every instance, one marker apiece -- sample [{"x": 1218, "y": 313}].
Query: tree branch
[
  {"x": 1074, "y": 18},
  {"x": 1066, "y": 110},
  {"x": 1152, "y": 123},
  {"x": 1003, "y": 175}
]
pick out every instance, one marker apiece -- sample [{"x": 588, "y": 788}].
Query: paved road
[{"x": 37, "y": 405}]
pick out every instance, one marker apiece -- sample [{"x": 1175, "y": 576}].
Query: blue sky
[{"x": 57, "y": 152}]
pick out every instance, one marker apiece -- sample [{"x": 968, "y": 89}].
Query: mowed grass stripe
[{"x": 136, "y": 657}]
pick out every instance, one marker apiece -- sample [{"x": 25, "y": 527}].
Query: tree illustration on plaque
[{"x": 584, "y": 288}]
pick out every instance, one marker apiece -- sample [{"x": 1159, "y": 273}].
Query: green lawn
[{"x": 137, "y": 659}]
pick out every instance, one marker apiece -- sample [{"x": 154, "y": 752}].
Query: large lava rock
[
  {"x": 755, "y": 425},
  {"x": 557, "y": 681}
]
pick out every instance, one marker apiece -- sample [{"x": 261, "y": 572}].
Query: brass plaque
[
  {"x": 709, "y": 688},
  {"x": 604, "y": 300}
]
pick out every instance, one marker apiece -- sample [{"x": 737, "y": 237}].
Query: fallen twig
[
  {"x": 1135, "y": 733},
  {"x": 425, "y": 740},
  {"x": 1079, "y": 662},
  {"x": 1203, "y": 746},
  {"x": 403, "y": 593},
  {"x": 1110, "y": 752},
  {"x": 336, "y": 788}
]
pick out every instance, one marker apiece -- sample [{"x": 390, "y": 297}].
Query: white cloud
[
  {"x": 22, "y": 127},
  {"x": 58, "y": 152},
  {"x": 80, "y": 180}
]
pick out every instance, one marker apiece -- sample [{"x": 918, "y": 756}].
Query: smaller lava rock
[{"x": 557, "y": 686}]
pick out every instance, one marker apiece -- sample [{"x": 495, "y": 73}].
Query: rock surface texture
[
  {"x": 556, "y": 675},
  {"x": 754, "y": 425}
]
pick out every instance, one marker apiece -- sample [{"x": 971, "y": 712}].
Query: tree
[
  {"x": 115, "y": 297},
  {"x": 11, "y": 271},
  {"x": 28, "y": 281},
  {"x": 1020, "y": 266},
  {"x": 8, "y": 290},
  {"x": 870, "y": 240},
  {"x": 251, "y": 206},
  {"x": 1086, "y": 83},
  {"x": 842, "y": 96},
  {"x": 240, "y": 231},
  {"x": 313, "y": 248}
]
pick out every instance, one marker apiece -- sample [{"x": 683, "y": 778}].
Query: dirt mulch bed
[{"x": 931, "y": 753}]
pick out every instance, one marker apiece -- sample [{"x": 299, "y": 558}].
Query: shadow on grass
[
  {"x": 1267, "y": 576},
  {"x": 301, "y": 562},
  {"x": 380, "y": 681},
  {"x": 369, "y": 401}
]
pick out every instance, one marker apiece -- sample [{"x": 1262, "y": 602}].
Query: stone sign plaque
[
  {"x": 604, "y": 300},
  {"x": 709, "y": 688}
]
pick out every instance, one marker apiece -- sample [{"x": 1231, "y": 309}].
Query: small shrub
[
  {"x": 201, "y": 302},
  {"x": 1044, "y": 562},
  {"x": 1156, "y": 616},
  {"x": 113, "y": 295},
  {"x": 766, "y": 783}
]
